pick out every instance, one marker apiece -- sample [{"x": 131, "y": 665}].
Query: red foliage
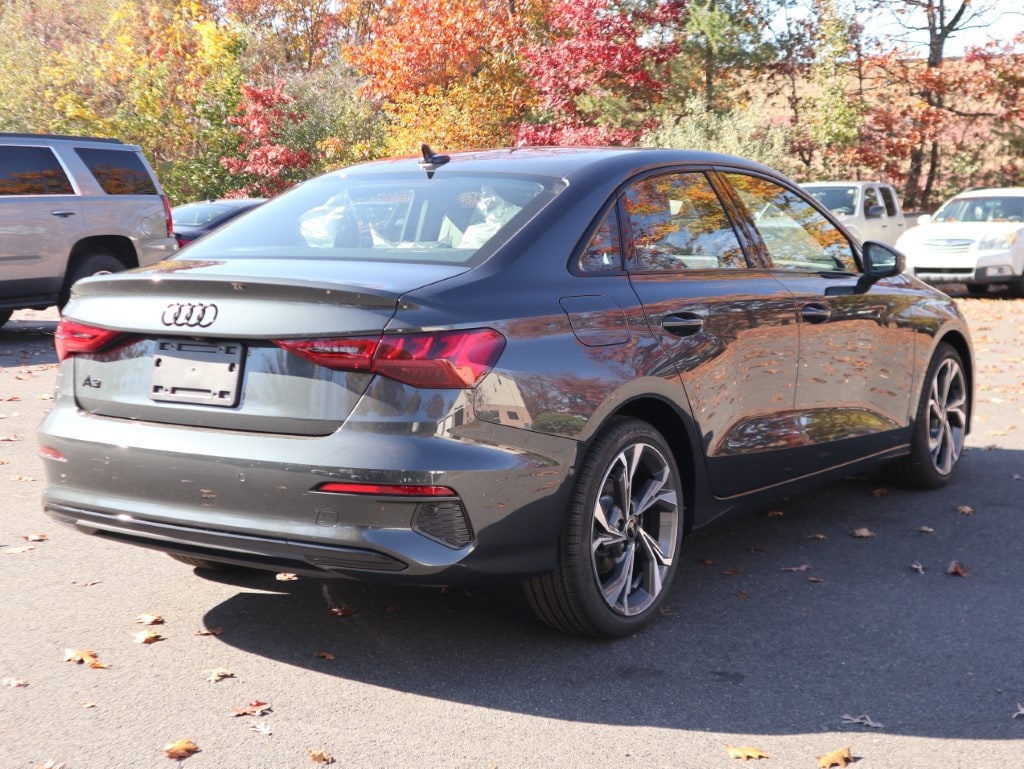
[{"x": 269, "y": 165}]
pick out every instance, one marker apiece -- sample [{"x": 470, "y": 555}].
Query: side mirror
[
  {"x": 874, "y": 212},
  {"x": 924, "y": 219},
  {"x": 881, "y": 260}
]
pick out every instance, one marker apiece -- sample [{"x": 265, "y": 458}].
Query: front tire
[
  {"x": 940, "y": 427},
  {"x": 619, "y": 546}
]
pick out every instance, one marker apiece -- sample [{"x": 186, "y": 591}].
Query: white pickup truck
[{"x": 868, "y": 210}]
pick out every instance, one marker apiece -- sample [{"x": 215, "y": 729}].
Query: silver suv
[{"x": 71, "y": 207}]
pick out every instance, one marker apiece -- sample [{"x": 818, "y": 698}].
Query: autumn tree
[
  {"x": 596, "y": 74},
  {"x": 297, "y": 34},
  {"x": 265, "y": 165}
]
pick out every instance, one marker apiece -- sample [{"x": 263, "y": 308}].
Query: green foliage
[{"x": 740, "y": 131}]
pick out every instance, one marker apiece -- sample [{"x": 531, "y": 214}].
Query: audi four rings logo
[{"x": 190, "y": 315}]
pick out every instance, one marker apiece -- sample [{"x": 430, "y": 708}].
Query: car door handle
[
  {"x": 62, "y": 214},
  {"x": 683, "y": 324},
  {"x": 815, "y": 313}
]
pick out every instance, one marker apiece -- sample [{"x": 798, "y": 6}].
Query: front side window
[
  {"x": 796, "y": 235},
  {"x": 32, "y": 171},
  {"x": 677, "y": 222},
  {"x": 401, "y": 217}
]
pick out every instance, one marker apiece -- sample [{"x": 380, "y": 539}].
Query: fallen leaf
[
  {"x": 880, "y": 492},
  {"x": 916, "y": 566},
  {"x": 802, "y": 567},
  {"x": 86, "y": 704},
  {"x": 840, "y": 758},
  {"x": 958, "y": 569},
  {"x": 285, "y": 576},
  {"x": 262, "y": 728},
  {"x": 742, "y": 594},
  {"x": 393, "y": 607},
  {"x": 320, "y": 756},
  {"x": 83, "y": 657},
  {"x": 180, "y": 749},
  {"x": 210, "y": 631},
  {"x": 218, "y": 674},
  {"x": 1020, "y": 711},
  {"x": 85, "y": 583},
  {"x": 15, "y": 550},
  {"x": 864, "y": 720},
  {"x": 341, "y": 611},
  {"x": 862, "y": 533},
  {"x": 51, "y": 763},
  {"x": 147, "y": 637},
  {"x": 816, "y": 536},
  {"x": 775, "y": 513},
  {"x": 815, "y": 580},
  {"x": 324, "y": 655},
  {"x": 149, "y": 619},
  {"x": 965, "y": 509},
  {"x": 732, "y": 572},
  {"x": 36, "y": 537},
  {"x": 926, "y": 530},
  {"x": 257, "y": 708},
  {"x": 705, "y": 562},
  {"x": 744, "y": 753},
  {"x": 756, "y": 549},
  {"x": 20, "y": 477},
  {"x": 14, "y": 683}
]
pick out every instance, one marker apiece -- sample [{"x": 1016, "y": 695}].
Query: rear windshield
[
  {"x": 450, "y": 219},
  {"x": 195, "y": 214},
  {"x": 982, "y": 209}
]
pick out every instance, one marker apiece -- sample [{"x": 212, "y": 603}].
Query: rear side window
[
  {"x": 890, "y": 201},
  {"x": 32, "y": 171},
  {"x": 677, "y": 223},
  {"x": 119, "y": 172}
]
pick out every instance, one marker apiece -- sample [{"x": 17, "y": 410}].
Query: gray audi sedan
[{"x": 539, "y": 364}]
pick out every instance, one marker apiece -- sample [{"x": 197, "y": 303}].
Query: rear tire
[
  {"x": 619, "y": 546},
  {"x": 940, "y": 426},
  {"x": 94, "y": 264}
]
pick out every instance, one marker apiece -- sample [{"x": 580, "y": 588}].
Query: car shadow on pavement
[{"x": 779, "y": 621}]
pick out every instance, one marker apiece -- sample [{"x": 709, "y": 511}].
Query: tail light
[
  {"x": 73, "y": 338},
  {"x": 385, "y": 489},
  {"x": 168, "y": 216},
  {"x": 441, "y": 359}
]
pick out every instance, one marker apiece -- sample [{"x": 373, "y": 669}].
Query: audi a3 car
[
  {"x": 976, "y": 238},
  {"x": 542, "y": 364}
]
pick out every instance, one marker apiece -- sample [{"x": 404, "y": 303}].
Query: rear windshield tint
[
  {"x": 449, "y": 219},
  {"x": 119, "y": 172}
]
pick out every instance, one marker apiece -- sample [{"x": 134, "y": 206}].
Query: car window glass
[
  {"x": 402, "y": 217},
  {"x": 677, "y": 223},
  {"x": 982, "y": 209},
  {"x": 119, "y": 172},
  {"x": 871, "y": 198},
  {"x": 32, "y": 171},
  {"x": 603, "y": 253},
  {"x": 842, "y": 200},
  {"x": 797, "y": 236},
  {"x": 890, "y": 201}
]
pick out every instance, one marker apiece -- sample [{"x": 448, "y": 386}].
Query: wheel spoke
[{"x": 617, "y": 589}]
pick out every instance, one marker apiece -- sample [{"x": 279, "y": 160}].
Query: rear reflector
[
  {"x": 386, "y": 489},
  {"x": 72, "y": 338},
  {"x": 48, "y": 453},
  {"x": 439, "y": 359}
]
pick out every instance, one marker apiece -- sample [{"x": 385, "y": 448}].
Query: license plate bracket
[{"x": 187, "y": 371}]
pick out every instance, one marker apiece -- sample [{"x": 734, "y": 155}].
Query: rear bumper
[{"x": 253, "y": 499}]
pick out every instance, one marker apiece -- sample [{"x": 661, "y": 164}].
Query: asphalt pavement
[{"x": 784, "y": 632}]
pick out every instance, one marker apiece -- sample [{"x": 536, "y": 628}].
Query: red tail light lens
[
  {"x": 73, "y": 338},
  {"x": 386, "y": 489},
  {"x": 168, "y": 216},
  {"x": 442, "y": 359}
]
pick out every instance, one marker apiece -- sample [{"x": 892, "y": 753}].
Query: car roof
[
  {"x": 558, "y": 162},
  {"x": 838, "y": 183},
  {"x": 987, "y": 192}
]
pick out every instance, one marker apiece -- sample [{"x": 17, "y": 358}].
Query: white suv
[
  {"x": 71, "y": 207},
  {"x": 977, "y": 239}
]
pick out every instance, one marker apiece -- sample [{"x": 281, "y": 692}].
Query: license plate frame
[{"x": 200, "y": 373}]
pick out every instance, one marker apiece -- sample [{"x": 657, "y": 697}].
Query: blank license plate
[{"x": 192, "y": 372}]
